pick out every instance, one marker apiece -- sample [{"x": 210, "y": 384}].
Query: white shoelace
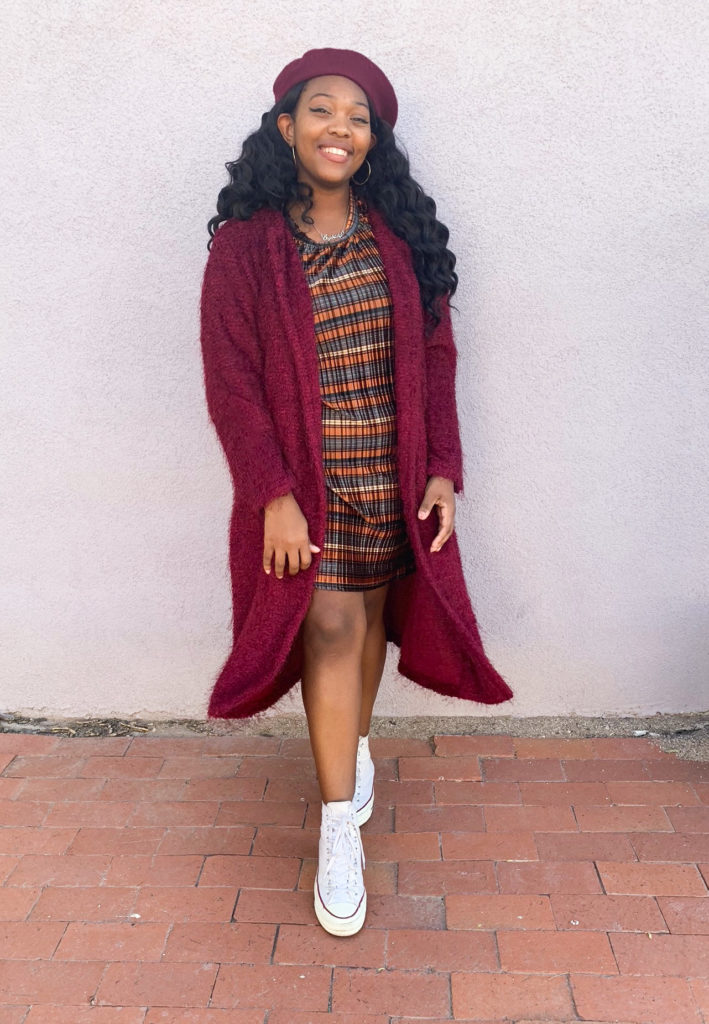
[
  {"x": 341, "y": 872},
  {"x": 363, "y": 764}
]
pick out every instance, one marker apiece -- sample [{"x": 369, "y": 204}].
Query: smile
[{"x": 334, "y": 153}]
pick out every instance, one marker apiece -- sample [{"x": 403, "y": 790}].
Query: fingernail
[{"x": 268, "y": 572}]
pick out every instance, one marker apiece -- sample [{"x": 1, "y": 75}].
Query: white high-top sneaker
[
  {"x": 340, "y": 896},
  {"x": 363, "y": 798}
]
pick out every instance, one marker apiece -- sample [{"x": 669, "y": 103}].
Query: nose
[{"x": 339, "y": 126}]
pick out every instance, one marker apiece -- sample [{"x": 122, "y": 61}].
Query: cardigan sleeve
[
  {"x": 233, "y": 379},
  {"x": 445, "y": 456}
]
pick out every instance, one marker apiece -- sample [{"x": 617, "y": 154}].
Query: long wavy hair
[{"x": 265, "y": 175}]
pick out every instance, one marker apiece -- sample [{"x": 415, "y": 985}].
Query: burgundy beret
[{"x": 349, "y": 64}]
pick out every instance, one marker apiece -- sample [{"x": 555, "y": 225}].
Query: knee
[{"x": 334, "y": 630}]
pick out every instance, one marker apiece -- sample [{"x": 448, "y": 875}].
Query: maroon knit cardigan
[{"x": 263, "y": 395}]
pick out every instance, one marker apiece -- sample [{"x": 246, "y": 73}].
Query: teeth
[{"x": 332, "y": 149}]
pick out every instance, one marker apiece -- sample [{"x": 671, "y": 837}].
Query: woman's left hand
[{"x": 439, "y": 491}]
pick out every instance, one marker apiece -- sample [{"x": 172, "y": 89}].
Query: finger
[
  {"x": 439, "y": 540},
  {"x": 445, "y": 519},
  {"x": 267, "y": 557},
  {"x": 305, "y": 557},
  {"x": 293, "y": 561},
  {"x": 280, "y": 563}
]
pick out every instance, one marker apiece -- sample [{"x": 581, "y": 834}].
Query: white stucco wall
[{"x": 565, "y": 142}]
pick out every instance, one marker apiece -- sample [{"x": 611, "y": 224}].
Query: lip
[{"x": 336, "y": 158}]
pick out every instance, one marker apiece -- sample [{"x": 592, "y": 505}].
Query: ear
[
  {"x": 373, "y": 143},
  {"x": 286, "y": 127}
]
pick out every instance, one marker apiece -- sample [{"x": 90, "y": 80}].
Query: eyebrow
[{"x": 329, "y": 95}]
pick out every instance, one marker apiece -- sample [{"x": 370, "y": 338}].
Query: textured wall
[{"x": 566, "y": 145}]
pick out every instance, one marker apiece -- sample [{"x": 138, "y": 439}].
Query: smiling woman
[
  {"x": 330, "y": 135},
  {"x": 330, "y": 378}
]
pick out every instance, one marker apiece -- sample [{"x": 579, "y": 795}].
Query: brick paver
[{"x": 168, "y": 880}]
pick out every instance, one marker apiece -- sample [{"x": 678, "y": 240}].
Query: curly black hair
[{"x": 264, "y": 175}]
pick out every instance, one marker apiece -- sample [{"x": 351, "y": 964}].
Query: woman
[{"x": 330, "y": 379}]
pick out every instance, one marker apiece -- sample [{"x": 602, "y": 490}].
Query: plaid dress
[{"x": 365, "y": 543}]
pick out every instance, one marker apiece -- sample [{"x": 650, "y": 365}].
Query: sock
[
  {"x": 338, "y": 807},
  {"x": 363, "y": 748}
]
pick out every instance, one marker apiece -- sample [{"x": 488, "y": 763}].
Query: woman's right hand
[{"x": 285, "y": 535}]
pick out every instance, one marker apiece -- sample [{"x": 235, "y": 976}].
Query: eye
[
  {"x": 318, "y": 110},
  {"x": 361, "y": 120}
]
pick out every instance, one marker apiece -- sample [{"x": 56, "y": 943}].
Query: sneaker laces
[
  {"x": 341, "y": 872},
  {"x": 363, "y": 769}
]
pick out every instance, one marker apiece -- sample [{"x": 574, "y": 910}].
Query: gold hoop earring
[
  {"x": 292, "y": 149},
  {"x": 369, "y": 175}
]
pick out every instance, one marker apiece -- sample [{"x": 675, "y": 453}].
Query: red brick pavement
[{"x": 159, "y": 880}]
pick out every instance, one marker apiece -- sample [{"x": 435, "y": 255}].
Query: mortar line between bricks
[
  {"x": 296, "y": 887},
  {"x": 664, "y": 919},
  {"x": 56, "y": 947},
  {"x": 330, "y": 990},
  {"x": 630, "y": 837},
  {"x": 163, "y": 951},
  {"x": 578, "y": 823},
  {"x": 694, "y": 794},
  {"x": 41, "y": 889},
  {"x": 214, "y": 985},
  {"x": 275, "y": 940},
  {"x": 598, "y": 876},
  {"x": 253, "y": 843},
  {"x": 236, "y": 903},
  {"x": 610, "y": 943},
  {"x": 496, "y": 875},
  {"x": 570, "y": 987},
  {"x": 497, "y": 949},
  {"x": 201, "y": 870},
  {"x": 92, "y": 1000}
]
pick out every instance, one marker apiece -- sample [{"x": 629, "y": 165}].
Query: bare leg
[
  {"x": 333, "y": 640},
  {"x": 373, "y": 655}
]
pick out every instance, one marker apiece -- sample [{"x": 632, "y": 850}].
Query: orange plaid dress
[{"x": 365, "y": 538}]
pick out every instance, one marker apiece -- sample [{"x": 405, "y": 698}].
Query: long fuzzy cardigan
[{"x": 262, "y": 389}]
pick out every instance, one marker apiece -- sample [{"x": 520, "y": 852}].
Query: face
[{"x": 330, "y": 129}]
